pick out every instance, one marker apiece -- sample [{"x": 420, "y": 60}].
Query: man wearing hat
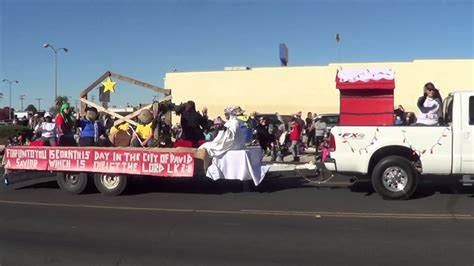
[
  {"x": 91, "y": 128},
  {"x": 245, "y": 124},
  {"x": 47, "y": 129},
  {"x": 144, "y": 132}
]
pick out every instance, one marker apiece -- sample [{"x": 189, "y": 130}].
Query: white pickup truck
[{"x": 395, "y": 158}]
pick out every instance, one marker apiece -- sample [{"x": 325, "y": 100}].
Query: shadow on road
[
  {"x": 203, "y": 185},
  {"x": 194, "y": 185},
  {"x": 426, "y": 189}
]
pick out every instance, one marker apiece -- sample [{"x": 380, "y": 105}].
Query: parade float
[{"x": 109, "y": 168}]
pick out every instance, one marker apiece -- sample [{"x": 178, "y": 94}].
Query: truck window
[
  {"x": 471, "y": 110},
  {"x": 448, "y": 110}
]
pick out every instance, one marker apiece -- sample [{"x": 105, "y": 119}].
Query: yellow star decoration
[{"x": 109, "y": 85}]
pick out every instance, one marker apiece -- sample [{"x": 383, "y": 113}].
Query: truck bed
[{"x": 355, "y": 146}]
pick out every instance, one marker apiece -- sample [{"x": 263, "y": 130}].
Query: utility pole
[
  {"x": 22, "y": 97},
  {"x": 39, "y": 103}
]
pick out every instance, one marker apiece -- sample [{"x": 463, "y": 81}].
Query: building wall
[{"x": 287, "y": 90}]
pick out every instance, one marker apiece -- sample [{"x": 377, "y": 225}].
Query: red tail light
[{"x": 332, "y": 143}]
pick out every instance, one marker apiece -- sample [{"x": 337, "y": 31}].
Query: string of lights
[
  {"x": 419, "y": 152},
  {"x": 416, "y": 151},
  {"x": 366, "y": 147}
]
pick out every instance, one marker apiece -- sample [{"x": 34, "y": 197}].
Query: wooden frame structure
[{"x": 127, "y": 118}]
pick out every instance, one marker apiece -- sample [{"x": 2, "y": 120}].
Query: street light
[
  {"x": 10, "y": 96},
  {"x": 46, "y": 45}
]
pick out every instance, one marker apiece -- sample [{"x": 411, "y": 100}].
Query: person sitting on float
[
  {"x": 192, "y": 124},
  {"x": 144, "y": 132},
  {"x": 217, "y": 125},
  {"x": 65, "y": 124},
  {"x": 430, "y": 106},
  {"x": 47, "y": 129},
  {"x": 246, "y": 125},
  {"x": 164, "y": 132},
  {"x": 91, "y": 128},
  {"x": 233, "y": 137},
  {"x": 120, "y": 135}
]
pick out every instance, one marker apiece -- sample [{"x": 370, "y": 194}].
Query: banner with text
[{"x": 100, "y": 160}]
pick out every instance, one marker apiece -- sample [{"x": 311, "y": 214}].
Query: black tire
[
  {"x": 110, "y": 184},
  {"x": 73, "y": 183},
  {"x": 399, "y": 166}
]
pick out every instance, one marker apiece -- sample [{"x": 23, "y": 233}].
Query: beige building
[{"x": 287, "y": 90}]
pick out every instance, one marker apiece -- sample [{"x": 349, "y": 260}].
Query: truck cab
[{"x": 458, "y": 109}]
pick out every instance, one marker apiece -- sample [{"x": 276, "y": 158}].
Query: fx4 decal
[{"x": 353, "y": 135}]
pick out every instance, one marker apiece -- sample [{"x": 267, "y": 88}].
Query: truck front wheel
[
  {"x": 394, "y": 177},
  {"x": 110, "y": 184},
  {"x": 74, "y": 183}
]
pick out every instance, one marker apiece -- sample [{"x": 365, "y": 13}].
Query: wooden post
[
  {"x": 140, "y": 83},
  {"x": 84, "y": 92},
  {"x": 132, "y": 115},
  {"x": 102, "y": 109},
  {"x": 137, "y": 112}
]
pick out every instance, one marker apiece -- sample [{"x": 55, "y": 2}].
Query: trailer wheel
[
  {"x": 394, "y": 177},
  {"x": 74, "y": 183},
  {"x": 110, "y": 184}
]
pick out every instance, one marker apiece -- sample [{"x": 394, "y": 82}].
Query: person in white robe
[
  {"x": 231, "y": 159},
  {"x": 231, "y": 138}
]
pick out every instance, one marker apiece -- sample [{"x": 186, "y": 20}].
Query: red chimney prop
[{"x": 366, "y": 97}]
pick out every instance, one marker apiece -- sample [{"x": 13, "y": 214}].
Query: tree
[
  {"x": 31, "y": 108},
  {"x": 4, "y": 113},
  {"x": 57, "y": 104},
  {"x": 61, "y": 99}
]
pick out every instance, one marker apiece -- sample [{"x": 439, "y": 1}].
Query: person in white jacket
[
  {"x": 48, "y": 130},
  {"x": 232, "y": 138},
  {"x": 430, "y": 106}
]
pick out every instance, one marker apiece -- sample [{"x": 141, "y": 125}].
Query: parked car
[{"x": 331, "y": 120}]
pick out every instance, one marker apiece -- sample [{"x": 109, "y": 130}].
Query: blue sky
[{"x": 146, "y": 39}]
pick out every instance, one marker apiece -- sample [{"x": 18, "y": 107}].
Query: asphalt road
[{"x": 284, "y": 221}]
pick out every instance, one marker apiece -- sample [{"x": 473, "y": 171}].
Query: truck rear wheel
[
  {"x": 394, "y": 177},
  {"x": 74, "y": 183},
  {"x": 110, "y": 184}
]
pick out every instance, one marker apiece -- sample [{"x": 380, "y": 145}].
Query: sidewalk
[
  {"x": 307, "y": 156},
  {"x": 307, "y": 163}
]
